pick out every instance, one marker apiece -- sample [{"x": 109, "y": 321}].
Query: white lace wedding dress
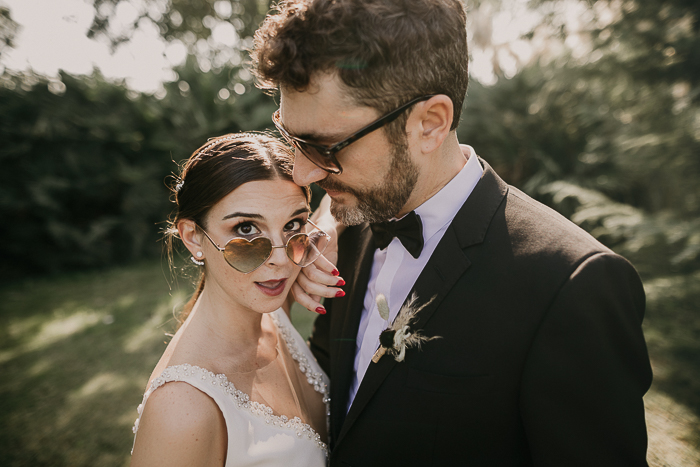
[{"x": 257, "y": 434}]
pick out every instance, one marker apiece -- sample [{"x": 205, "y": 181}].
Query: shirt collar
[{"x": 442, "y": 207}]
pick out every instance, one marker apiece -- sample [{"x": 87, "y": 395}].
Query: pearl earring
[
  {"x": 199, "y": 254},
  {"x": 195, "y": 261}
]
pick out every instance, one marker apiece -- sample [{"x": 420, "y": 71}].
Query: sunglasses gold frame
[{"x": 272, "y": 247}]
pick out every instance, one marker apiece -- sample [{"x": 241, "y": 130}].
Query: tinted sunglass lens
[
  {"x": 298, "y": 248},
  {"x": 246, "y": 256},
  {"x": 319, "y": 242},
  {"x": 304, "y": 249},
  {"x": 317, "y": 158},
  {"x": 313, "y": 155}
]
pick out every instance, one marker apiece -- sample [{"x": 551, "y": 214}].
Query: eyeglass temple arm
[
  {"x": 378, "y": 124},
  {"x": 212, "y": 241},
  {"x": 319, "y": 228}
]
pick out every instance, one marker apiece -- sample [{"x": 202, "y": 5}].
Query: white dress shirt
[{"x": 394, "y": 270}]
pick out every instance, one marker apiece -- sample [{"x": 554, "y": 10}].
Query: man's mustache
[{"x": 332, "y": 185}]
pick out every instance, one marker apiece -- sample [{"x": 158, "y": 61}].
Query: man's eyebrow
[{"x": 313, "y": 137}]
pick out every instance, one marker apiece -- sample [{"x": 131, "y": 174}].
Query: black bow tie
[{"x": 409, "y": 230}]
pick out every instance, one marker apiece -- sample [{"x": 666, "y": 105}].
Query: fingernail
[
  {"x": 340, "y": 282},
  {"x": 335, "y": 272},
  {"x": 320, "y": 310},
  {"x": 340, "y": 293}
]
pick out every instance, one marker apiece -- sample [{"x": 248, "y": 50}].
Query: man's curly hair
[{"x": 386, "y": 52}]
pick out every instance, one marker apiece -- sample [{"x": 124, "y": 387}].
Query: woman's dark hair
[{"x": 216, "y": 169}]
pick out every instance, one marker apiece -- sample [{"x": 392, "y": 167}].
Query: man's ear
[
  {"x": 190, "y": 236},
  {"x": 434, "y": 119}
]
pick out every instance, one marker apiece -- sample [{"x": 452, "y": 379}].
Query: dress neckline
[{"x": 242, "y": 400}]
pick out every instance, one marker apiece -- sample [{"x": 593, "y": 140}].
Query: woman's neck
[{"x": 219, "y": 329}]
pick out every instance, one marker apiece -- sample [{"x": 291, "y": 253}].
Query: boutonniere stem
[{"x": 398, "y": 336}]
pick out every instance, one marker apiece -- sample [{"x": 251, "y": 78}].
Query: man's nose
[{"x": 306, "y": 172}]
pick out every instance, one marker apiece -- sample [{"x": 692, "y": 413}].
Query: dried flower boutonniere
[{"x": 397, "y": 337}]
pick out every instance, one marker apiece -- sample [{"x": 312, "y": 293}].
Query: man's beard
[{"x": 381, "y": 203}]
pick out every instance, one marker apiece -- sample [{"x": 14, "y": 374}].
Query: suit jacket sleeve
[
  {"x": 319, "y": 342},
  {"x": 588, "y": 369}
]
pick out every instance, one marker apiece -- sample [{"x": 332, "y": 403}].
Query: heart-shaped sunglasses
[{"x": 246, "y": 256}]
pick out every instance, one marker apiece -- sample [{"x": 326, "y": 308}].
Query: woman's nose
[{"x": 278, "y": 255}]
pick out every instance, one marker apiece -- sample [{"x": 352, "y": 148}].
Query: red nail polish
[
  {"x": 340, "y": 282},
  {"x": 320, "y": 310},
  {"x": 335, "y": 272},
  {"x": 340, "y": 293}
]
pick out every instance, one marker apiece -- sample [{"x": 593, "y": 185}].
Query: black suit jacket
[{"x": 541, "y": 359}]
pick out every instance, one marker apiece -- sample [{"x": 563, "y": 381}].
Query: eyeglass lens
[
  {"x": 246, "y": 256},
  {"x": 321, "y": 160}
]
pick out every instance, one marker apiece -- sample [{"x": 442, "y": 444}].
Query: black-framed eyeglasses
[
  {"x": 324, "y": 156},
  {"x": 246, "y": 256}
]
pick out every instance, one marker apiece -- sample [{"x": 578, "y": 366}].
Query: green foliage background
[
  {"x": 610, "y": 139},
  {"x": 85, "y": 171}
]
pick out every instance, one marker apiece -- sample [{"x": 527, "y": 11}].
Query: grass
[
  {"x": 76, "y": 351},
  {"x": 75, "y": 355},
  {"x": 672, "y": 330}
]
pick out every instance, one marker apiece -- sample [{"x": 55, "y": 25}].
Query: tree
[
  {"x": 94, "y": 160},
  {"x": 182, "y": 20},
  {"x": 616, "y": 117},
  {"x": 8, "y": 29}
]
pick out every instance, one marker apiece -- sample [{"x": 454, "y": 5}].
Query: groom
[{"x": 540, "y": 358}]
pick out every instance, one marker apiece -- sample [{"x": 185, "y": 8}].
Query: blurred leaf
[{"x": 93, "y": 162}]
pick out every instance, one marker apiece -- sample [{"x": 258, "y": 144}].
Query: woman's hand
[{"x": 321, "y": 279}]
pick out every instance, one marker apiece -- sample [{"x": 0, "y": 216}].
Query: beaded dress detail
[{"x": 256, "y": 435}]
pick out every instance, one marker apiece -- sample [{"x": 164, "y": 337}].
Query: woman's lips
[{"x": 272, "y": 288}]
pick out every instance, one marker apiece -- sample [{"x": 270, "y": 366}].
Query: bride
[{"x": 237, "y": 385}]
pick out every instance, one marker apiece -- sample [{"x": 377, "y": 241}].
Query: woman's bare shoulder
[{"x": 180, "y": 425}]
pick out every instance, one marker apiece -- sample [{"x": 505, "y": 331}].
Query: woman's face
[{"x": 273, "y": 208}]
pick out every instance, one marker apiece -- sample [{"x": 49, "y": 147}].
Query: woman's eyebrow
[
  {"x": 301, "y": 211},
  {"x": 260, "y": 216},
  {"x": 243, "y": 214}
]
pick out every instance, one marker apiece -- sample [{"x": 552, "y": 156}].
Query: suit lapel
[
  {"x": 433, "y": 281},
  {"x": 446, "y": 265},
  {"x": 346, "y": 323}
]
